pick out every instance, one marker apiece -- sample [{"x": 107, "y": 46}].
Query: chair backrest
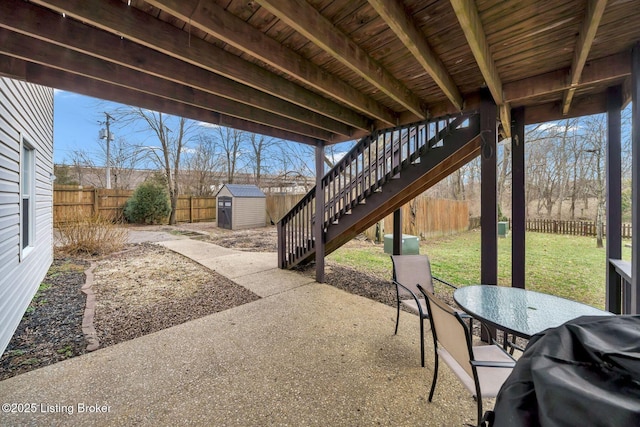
[
  {"x": 412, "y": 270},
  {"x": 450, "y": 331}
]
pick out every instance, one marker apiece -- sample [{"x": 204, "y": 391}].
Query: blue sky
[{"x": 76, "y": 124}]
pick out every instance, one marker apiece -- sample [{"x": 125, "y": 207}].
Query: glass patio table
[{"x": 520, "y": 312}]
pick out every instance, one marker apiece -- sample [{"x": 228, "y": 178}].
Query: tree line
[
  {"x": 189, "y": 157},
  {"x": 565, "y": 171}
]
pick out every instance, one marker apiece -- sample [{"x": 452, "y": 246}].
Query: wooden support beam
[
  {"x": 583, "y": 106},
  {"x": 38, "y": 74},
  {"x": 318, "y": 229},
  {"x": 595, "y": 10},
  {"x": 116, "y": 17},
  {"x": 471, "y": 25},
  {"x": 613, "y": 300},
  {"x": 489, "y": 192},
  {"x": 214, "y": 20},
  {"x": 397, "y": 231},
  {"x": 30, "y": 49},
  {"x": 635, "y": 179},
  {"x": 302, "y": 17},
  {"x": 608, "y": 69},
  {"x": 26, "y": 19},
  {"x": 408, "y": 32},
  {"x": 518, "y": 200}
]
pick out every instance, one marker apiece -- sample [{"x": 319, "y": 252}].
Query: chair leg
[
  {"x": 397, "y": 317},
  {"x": 435, "y": 377},
  {"x": 479, "y": 399},
  {"x": 422, "y": 342}
]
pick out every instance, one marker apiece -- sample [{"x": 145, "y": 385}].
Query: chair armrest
[
  {"x": 405, "y": 288},
  {"x": 443, "y": 282},
  {"x": 489, "y": 364}
]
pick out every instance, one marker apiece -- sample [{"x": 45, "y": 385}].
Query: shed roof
[{"x": 238, "y": 190}]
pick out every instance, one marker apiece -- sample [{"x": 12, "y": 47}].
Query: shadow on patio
[{"x": 305, "y": 354}]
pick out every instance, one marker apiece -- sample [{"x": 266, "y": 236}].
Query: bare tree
[
  {"x": 204, "y": 165},
  {"x": 173, "y": 134},
  {"x": 230, "y": 140},
  {"x": 260, "y": 145},
  {"x": 594, "y": 144}
]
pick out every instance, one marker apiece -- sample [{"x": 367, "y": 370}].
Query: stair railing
[{"x": 373, "y": 161}]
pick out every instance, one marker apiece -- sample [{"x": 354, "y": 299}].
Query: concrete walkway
[{"x": 305, "y": 354}]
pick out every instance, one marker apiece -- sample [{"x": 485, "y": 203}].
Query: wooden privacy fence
[
  {"x": 426, "y": 217},
  {"x": 575, "y": 228},
  {"x": 70, "y": 201}
]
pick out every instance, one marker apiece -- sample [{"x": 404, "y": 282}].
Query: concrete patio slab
[
  {"x": 201, "y": 252},
  {"x": 242, "y": 264},
  {"x": 314, "y": 355},
  {"x": 305, "y": 354},
  {"x": 272, "y": 282}
]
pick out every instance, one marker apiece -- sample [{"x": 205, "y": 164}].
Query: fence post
[
  {"x": 191, "y": 208},
  {"x": 95, "y": 202}
]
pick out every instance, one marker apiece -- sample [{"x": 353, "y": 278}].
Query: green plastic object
[
  {"x": 410, "y": 244},
  {"x": 503, "y": 228}
]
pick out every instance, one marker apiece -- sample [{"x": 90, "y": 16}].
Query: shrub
[
  {"x": 149, "y": 204},
  {"x": 90, "y": 234}
]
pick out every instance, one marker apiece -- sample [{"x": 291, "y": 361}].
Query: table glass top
[{"x": 520, "y": 311}]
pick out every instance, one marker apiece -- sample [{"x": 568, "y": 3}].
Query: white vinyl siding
[{"x": 26, "y": 115}]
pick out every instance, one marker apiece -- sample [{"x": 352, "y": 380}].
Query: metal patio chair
[
  {"x": 409, "y": 271},
  {"x": 482, "y": 369}
]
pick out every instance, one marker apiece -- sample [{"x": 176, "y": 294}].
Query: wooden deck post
[
  {"x": 489, "y": 191},
  {"x": 613, "y": 300},
  {"x": 518, "y": 201},
  {"x": 319, "y": 223},
  {"x": 397, "y": 231},
  {"x": 635, "y": 178}
]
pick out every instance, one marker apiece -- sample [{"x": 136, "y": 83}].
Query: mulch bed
[{"x": 51, "y": 329}]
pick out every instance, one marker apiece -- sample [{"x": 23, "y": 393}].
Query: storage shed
[{"x": 241, "y": 206}]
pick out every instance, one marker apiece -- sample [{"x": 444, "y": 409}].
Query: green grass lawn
[{"x": 568, "y": 266}]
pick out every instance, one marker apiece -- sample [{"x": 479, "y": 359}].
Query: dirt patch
[{"x": 148, "y": 288}]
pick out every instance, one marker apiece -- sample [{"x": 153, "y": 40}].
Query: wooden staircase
[{"x": 381, "y": 173}]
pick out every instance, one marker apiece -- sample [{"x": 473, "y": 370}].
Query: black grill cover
[{"x": 583, "y": 373}]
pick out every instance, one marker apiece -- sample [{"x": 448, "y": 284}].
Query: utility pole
[{"x": 109, "y": 138}]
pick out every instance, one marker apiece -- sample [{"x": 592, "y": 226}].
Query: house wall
[
  {"x": 26, "y": 115},
  {"x": 248, "y": 212}
]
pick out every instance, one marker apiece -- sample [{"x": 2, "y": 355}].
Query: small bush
[
  {"x": 148, "y": 205},
  {"x": 92, "y": 235}
]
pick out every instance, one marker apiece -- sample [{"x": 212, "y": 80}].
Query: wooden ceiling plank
[
  {"x": 469, "y": 19},
  {"x": 595, "y": 10},
  {"x": 53, "y": 56},
  {"x": 116, "y": 17},
  {"x": 28, "y": 20},
  {"x": 301, "y": 16},
  {"x": 214, "y": 20},
  {"x": 46, "y": 76},
  {"x": 408, "y": 32}
]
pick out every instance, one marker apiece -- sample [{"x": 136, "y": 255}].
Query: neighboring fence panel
[
  {"x": 574, "y": 228},
  {"x": 279, "y": 204},
  {"x": 426, "y": 217},
  {"x": 69, "y": 201}
]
